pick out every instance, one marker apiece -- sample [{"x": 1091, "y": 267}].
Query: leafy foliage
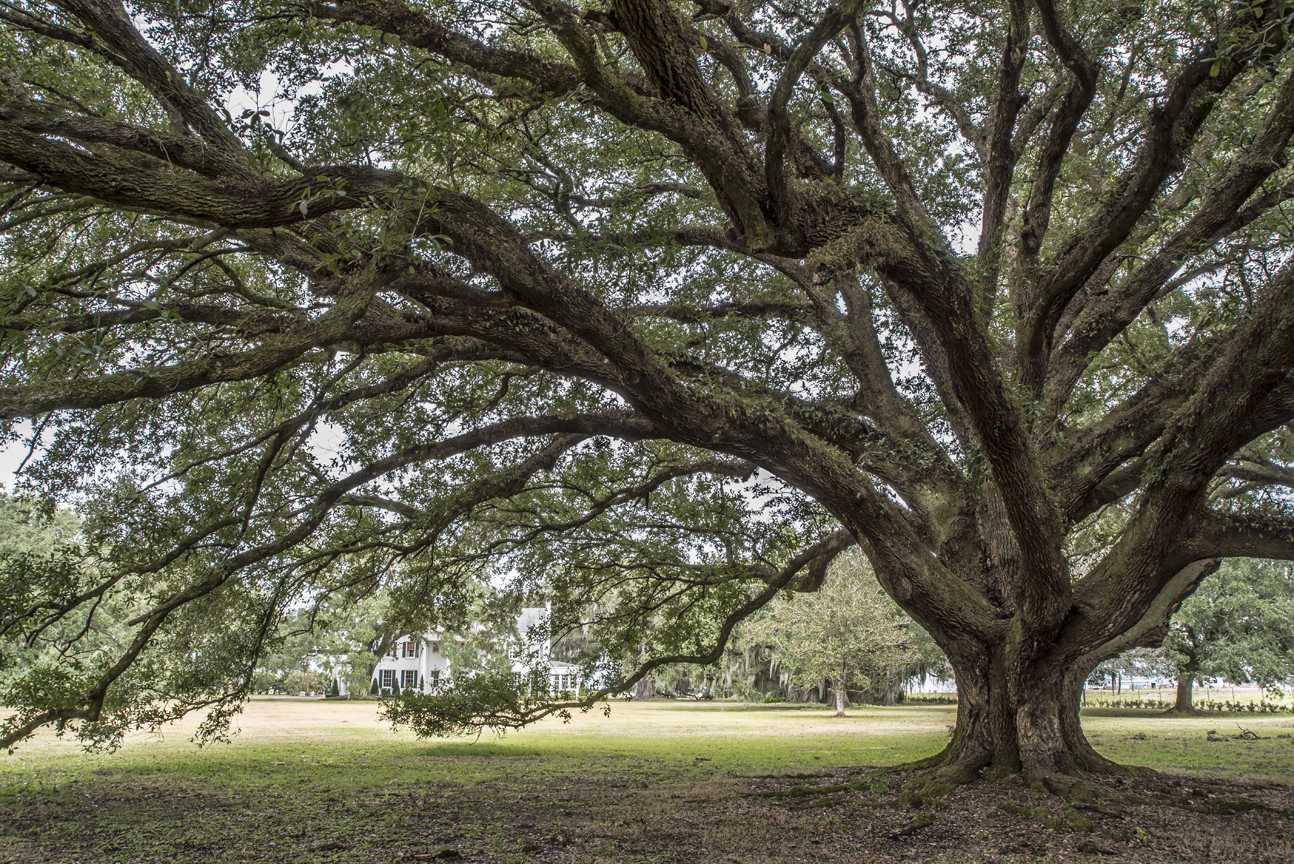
[
  {"x": 848, "y": 632},
  {"x": 1239, "y": 626}
]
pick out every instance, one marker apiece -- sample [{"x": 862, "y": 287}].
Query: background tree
[
  {"x": 1239, "y": 626},
  {"x": 45, "y": 659},
  {"x": 487, "y": 639},
  {"x": 35, "y": 527},
  {"x": 289, "y": 657},
  {"x": 848, "y": 632},
  {"x": 518, "y": 284}
]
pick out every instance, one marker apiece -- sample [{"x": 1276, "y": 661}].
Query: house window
[
  {"x": 410, "y": 650},
  {"x": 435, "y": 646},
  {"x": 435, "y": 677},
  {"x": 388, "y": 679},
  {"x": 410, "y": 679}
]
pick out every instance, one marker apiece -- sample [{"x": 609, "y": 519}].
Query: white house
[{"x": 419, "y": 663}]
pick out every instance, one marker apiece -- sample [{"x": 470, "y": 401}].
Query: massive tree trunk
[
  {"x": 1026, "y": 722},
  {"x": 1020, "y": 691}
]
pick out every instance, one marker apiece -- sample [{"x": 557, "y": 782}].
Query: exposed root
[
  {"x": 1225, "y": 806},
  {"x": 806, "y": 791},
  {"x": 1077, "y": 820},
  {"x": 922, "y": 820},
  {"x": 1079, "y": 790},
  {"x": 1100, "y": 765},
  {"x": 1084, "y": 761},
  {"x": 937, "y": 782},
  {"x": 1086, "y": 797}
]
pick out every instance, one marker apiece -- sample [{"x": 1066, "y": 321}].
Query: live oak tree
[
  {"x": 530, "y": 291},
  {"x": 335, "y": 639}
]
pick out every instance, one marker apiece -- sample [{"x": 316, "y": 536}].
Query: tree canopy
[
  {"x": 300, "y": 297},
  {"x": 1239, "y": 626}
]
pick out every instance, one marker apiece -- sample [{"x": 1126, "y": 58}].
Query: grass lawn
[{"x": 661, "y": 781}]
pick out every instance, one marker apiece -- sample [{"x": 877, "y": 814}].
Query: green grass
[
  {"x": 326, "y": 781},
  {"x": 324, "y": 744},
  {"x": 1167, "y": 743}
]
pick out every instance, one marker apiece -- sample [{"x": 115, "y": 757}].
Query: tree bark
[
  {"x": 1185, "y": 683},
  {"x": 841, "y": 697},
  {"x": 1022, "y": 721}
]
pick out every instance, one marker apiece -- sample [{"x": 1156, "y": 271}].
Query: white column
[{"x": 423, "y": 650}]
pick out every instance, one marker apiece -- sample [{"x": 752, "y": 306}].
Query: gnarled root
[
  {"x": 939, "y": 781},
  {"x": 1085, "y": 761},
  {"x": 1081, "y": 790}
]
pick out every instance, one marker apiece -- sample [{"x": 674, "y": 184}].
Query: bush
[
  {"x": 931, "y": 699},
  {"x": 1219, "y": 705},
  {"x": 373, "y": 690}
]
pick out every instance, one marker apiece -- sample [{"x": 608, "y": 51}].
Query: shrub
[{"x": 931, "y": 698}]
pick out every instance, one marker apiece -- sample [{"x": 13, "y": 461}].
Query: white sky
[{"x": 11, "y": 457}]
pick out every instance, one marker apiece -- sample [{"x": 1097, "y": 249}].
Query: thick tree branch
[
  {"x": 1191, "y": 95},
  {"x": 129, "y": 50},
  {"x": 277, "y": 352},
  {"x": 1219, "y": 214},
  {"x": 780, "y": 129}
]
